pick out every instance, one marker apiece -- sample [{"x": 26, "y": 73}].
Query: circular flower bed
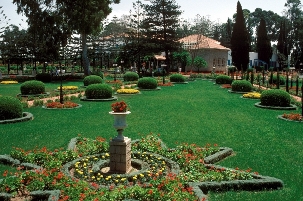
[
  {"x": 58, "y": 105},
  {"x": 291, "y": 117},
  {"x": 68, "y": 88},
  {"x": 8, "y": 82},
  {"x": 128, "y": 91},
  {"x": 252, "y": 95}
]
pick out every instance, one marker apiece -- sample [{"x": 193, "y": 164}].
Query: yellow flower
[
  {"x": 127, "y": 91},
  {"x": 8, "y": 82},
  {"x": 68, "y": 88}
]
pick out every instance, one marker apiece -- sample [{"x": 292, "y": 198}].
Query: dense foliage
[
  {"x": 32, "y": 87},
  {"x": 275, "y": 97},
  {"x": 44, "y": 77},
  {"x": 92, "y": 79},
  {"x": 98, "y": 91},
  {"x": 10, "y": 108},
  {"x": 177, "y": 78},
  {"x": 131, "y": 76},
  {"x": 147, "y": 83},
  {"x": 241, "y": 86},
  {"x": 223, "y": 79}
]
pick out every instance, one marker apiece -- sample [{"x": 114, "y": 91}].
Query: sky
[{"x": 215, "y": 10}]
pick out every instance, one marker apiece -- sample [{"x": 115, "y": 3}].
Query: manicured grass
[{"x": 199, "y": 112}]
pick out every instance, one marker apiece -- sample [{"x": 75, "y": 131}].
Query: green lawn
[{"x": 199, "y": 112}]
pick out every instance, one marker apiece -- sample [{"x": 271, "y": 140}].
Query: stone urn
[{"x": 119, "y": 123}]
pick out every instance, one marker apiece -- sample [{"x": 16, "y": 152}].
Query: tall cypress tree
[
  {"x": 263, "y": 43},
  {"x": 240, "y": 41}
]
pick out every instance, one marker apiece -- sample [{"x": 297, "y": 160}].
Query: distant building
[{"x": 209, "y": 49}]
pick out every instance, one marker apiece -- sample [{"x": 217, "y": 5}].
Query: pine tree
[
  {"x": 263, "y": 43},
  {"x": 240, "y": 41}
]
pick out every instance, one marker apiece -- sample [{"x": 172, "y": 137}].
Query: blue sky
[{"x": 216, "y": 10}]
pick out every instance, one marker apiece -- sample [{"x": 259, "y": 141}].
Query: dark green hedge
[
  {"x": 44, "y": 77},
  {"x": 275, "y": 97},
  {"x": 10, "y": 108},
  {"x": 177, "y": 78},
  {"x": 147, "y": 83},
  {"x": 274, "y": 79},
  {"x": 241, "y": 85},
  {"x": 98, "y": 91},
  {"x": 92, "y": 79},
  {"x": 130, "y": 76},
  {"x": 32, "y": 87},
  {"x": 223, "y": 79}
]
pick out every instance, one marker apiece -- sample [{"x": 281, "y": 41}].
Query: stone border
[
  {"x": 26, "y": 117},
  {"x": 34, "y": 95},
  {"x": 179, "y": 82},
  {"x": 83, "y": 98},
  {"x": 281, "y": 117},
  {"x": 291, "y": 107},
  {"x": 258, "y": 99},
  {"x": 239, "y": 92},
  {"x": 125, "y": 94},
  {"x": 64, "y": 108}
]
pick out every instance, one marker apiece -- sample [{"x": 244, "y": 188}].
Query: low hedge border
[
  {"x": 291, "y": 107},
  {"x": 34, "y": 95},
  {"x": 281, "y": 117},
  {"x": 83, "y": 98},
  {"x": 26, "y": 117}
]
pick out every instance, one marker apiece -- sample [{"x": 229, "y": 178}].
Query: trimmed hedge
[
  {"x": 10, "y": 108},
  {"x": 32, "y": 87},
  {"x": 130, "y": 76},
  {"x": 98, "y": 91},
  {"x": 177, "y": 78},
  {"x": 241, "y": 85},
  {"x": 223, "y": 79},
  {"x": 44, "y": 77},
  {"x": 147, "y": 83},
  {"x": 275, "y": 97},
  {"x": 92, "y": 79}
]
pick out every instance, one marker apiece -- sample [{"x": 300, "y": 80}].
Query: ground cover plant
[{"x": 208, "y": 115}]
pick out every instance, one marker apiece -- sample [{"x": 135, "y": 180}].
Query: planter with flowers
[
  {"x": 119, "y": 111},
  {"x": 292, "y": 117}
]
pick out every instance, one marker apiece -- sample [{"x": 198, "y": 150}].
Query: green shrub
[
  {"x": 98, "y": 91},
  {"x": 275, "y": 97},
  {"x": 147, "y": 83},
  {"x": 241, "y": 85},
  {"x": 274, "y": 80},
  {"x": 177, "y": 78},
  {"x": 98, "y": 73},
  {"x": 130, "y": 76},
  {"x": 10, "y": 108},
  {"x": 44, "y": 77},
  {"x": 92, "y": 79},
  {"x": 32, "y": 87},
  {"x": 223, "y": 79}
]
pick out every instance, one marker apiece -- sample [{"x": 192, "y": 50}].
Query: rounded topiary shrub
[
  {"x": 130, "y": 76},
  {"x": 147, "y": 83},
  {"x": 98, "y": 73},
  {"x": 241, "y": 86},
  {"x": 177, "y": 78},
  {"x": 223, "y": 79},
  {"x": 274, "y": 80},
  {"x": 32, "y": 87},
  {"x": 10, "y": 108},
  {"x": 275, "y": 97},
  {"x": 92, "y": 79},
  {"x": 98, "y": 91},
  {"x": 44, "y": 77}
]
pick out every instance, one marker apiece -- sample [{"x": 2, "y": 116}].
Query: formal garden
[{"x": 197, "y": 137}]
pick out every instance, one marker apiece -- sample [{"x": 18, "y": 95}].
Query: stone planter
[{"x": 119, "y": 124}]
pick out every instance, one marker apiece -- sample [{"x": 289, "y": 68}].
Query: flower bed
[
  {"x": 167, "y": 84},
  {"x": 128, "y": 91},
  {"x": 292, "y": 117},
  {"x": 252, "y": 95},
  {"x": 9, "y": 82},
  {"x": 58, "y": 105},
  {"x": 181, "y": 175},
  {"x": 68, "y": 88}
]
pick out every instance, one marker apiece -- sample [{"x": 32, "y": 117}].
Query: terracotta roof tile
[{"x": 197, "y": 41}]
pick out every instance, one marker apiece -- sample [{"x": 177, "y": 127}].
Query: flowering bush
[
  {"x": 68, "y": 88},
  {"x": 253, "y": 95},
  {"x": 292, "y": 116},
  {"x": 119, "y": 106},
  {"x": 128, "y": 91},
  {"x": 8, "y": 82},
  {"x": 66, "y": 104}
]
